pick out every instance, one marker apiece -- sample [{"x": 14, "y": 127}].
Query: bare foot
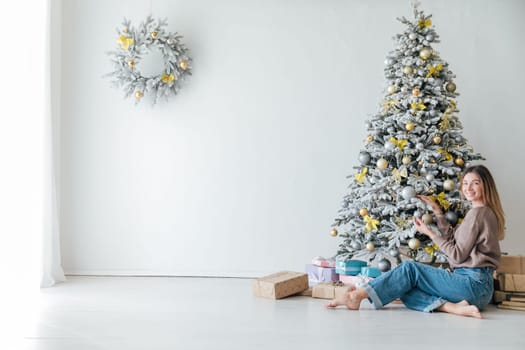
[
  {"x": 352, "y": 299},
  {"x": 463, "y": 308}
]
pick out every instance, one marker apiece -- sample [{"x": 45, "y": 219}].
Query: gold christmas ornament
[
  {"x": 406, "y": 160},
  {"x": 448, "y": 185},
  {"x": 131, "y": 64},
  {"x": 425, "y": 53},
  {"x": 370, "y": 246},
  {"x": 363, "y": 211},
  {"x": 408, "y": 70},
  {"x": 437, "y": 139},
  {"x": 333, "y": 232},
  {"x": 369, "y": 138},
  {"x": 459, "y": 161},
  {"x": 391, "y": 89},
  {"x": 414, "y": 243},
  {"x": 154, "y": 35},
  {"x": 416, "y": 92},
  {"x": 427, "y": 218},
  {"x": 450, "y": 87},
  {"x": 139, "y": 95},
  {"x": 183, "y": 65},
  {"x": 382, "y": 164},
  {"x": 410, "y": 126}
]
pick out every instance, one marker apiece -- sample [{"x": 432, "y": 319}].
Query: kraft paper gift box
[
  {"x": 329, "y": 290},
  {"x": 318, "y": 274},
  {"x": 349, "y": 267},
  {"x": 511, "y": 282},
  {"x": 511, "y": 264},
  {"x": 280, "y": 285}
]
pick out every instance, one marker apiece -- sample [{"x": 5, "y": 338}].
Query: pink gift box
[{"x": 354, "y": 280}]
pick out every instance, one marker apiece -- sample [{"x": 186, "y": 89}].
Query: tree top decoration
[{"x": 134, "y": 43}]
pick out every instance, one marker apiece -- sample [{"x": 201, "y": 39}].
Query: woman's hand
[
  {"x": 435, "y": 207},
  {"x": 423, "y": 228}
]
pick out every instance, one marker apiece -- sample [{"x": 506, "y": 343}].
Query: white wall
[{"x": 243, "y": 172}]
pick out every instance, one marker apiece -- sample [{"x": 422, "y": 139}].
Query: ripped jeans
[{"x": 425, "y": 288}]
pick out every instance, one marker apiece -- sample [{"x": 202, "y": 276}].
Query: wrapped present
[
  {"x": 318, "y": 274},
  {"x": 349, "y": 267},
  {"x": 511, "y": 264},
  {"x": 329, "y": 290},
  {"x": 280, "y": 284},
  {"x": 370, "y": 272},
  {"x": 320, "y": 261},
  {"x": 357, "y": 281}
]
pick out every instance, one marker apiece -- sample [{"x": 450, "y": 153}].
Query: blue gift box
[
  {"x": 318, "y": 274},
  {"x": 349, "y": 267},
  {"x": 370, "y": 272}
]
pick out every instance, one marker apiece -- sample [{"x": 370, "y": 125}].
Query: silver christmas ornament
[
  {"x": 420, "y": 146},
  {"x": 429, "y": 37},
  {"x": 384, "y": 265},
  {"x": 394, "y": 252},
  {"x": 451, "y": 217},
  {"x": 408, "y": 192},
  {"x": 429, "y": 177},
  {"x": 448, "y": 185},
  {"x": 364, "y": 158},
  {"x": 389, "y": 146}
]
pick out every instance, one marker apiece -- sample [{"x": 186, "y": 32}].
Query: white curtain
[
  {"x": 29, "y": 229},
  {"x": 51, "y": 263}
]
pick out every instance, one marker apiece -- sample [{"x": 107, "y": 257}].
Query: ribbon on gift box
[{"x": 320, "y": 261}]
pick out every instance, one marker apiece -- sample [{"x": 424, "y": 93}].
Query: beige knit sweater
[{"x": 474, "y": 242}]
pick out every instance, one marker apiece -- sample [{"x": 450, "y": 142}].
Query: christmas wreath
[{"x": 134, "y": 44}]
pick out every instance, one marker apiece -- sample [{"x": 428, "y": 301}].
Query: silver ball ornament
[
  {"x": 408, "y": 192},
  {"x": 384, "y": 265},
  {"x": 390, "y": 146},
  {"x": 417, "y": 214},
  {"x": 429, "y": 177},
  {"x": 429, "y": 37},
  {"x": 451, "y": 217},
  {"x": 420, "y": 146},
  {"x": 394, "y": 252},
  {"x": 364, "y": 158},
  {"x": 355, "y": 245},
  {"x": 412, "y": 36}
]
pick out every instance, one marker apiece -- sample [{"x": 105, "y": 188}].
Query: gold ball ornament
[
  {"x": 154, "y": 35},
  {"x": 183, "y": 65},
  {"x": 450, "y": 87},
  {"x": 414, "y": 243},
  {"x": 459, "y": 161},
  {"x": 406, "y": 160},
  {"x": 410, "y": 126},
  {"x": 437, "y": 139},
  {"x": 427, "y": 218},
  {"x": 382, "y": 164},
  {"x": 425, "y": 53},
  {"x": 131, "y": 64},
  {"x": 448, "y": 185},
  {"x": 333, "y": 232},
  {"x": 139, "y": 95},
  {"x": 408, "y": 70},
  {"x": 370, "y": 246},
  {"x": 416, "y": 92},
  {"x": 363, "y": 211},
  {"x": 391, "y": 89},
  {"x": 369, "y": 138}
]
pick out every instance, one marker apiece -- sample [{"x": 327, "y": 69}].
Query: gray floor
[{"x": 221, "y": 313}]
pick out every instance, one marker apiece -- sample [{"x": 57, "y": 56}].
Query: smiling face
[{"x": 472, "y": 188}]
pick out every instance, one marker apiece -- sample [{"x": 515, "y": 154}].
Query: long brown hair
[{"x": 490, "y": 195}]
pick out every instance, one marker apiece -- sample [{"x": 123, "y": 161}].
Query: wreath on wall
[{"x": 134, "y": 44}]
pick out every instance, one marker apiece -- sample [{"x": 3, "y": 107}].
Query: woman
[{"x": 473, "y": 252}]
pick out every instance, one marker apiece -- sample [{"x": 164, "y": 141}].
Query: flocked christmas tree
[{"x": 414, "y": 146}]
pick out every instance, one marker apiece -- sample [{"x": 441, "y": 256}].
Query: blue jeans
[{"x": 425, "y": 288}]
